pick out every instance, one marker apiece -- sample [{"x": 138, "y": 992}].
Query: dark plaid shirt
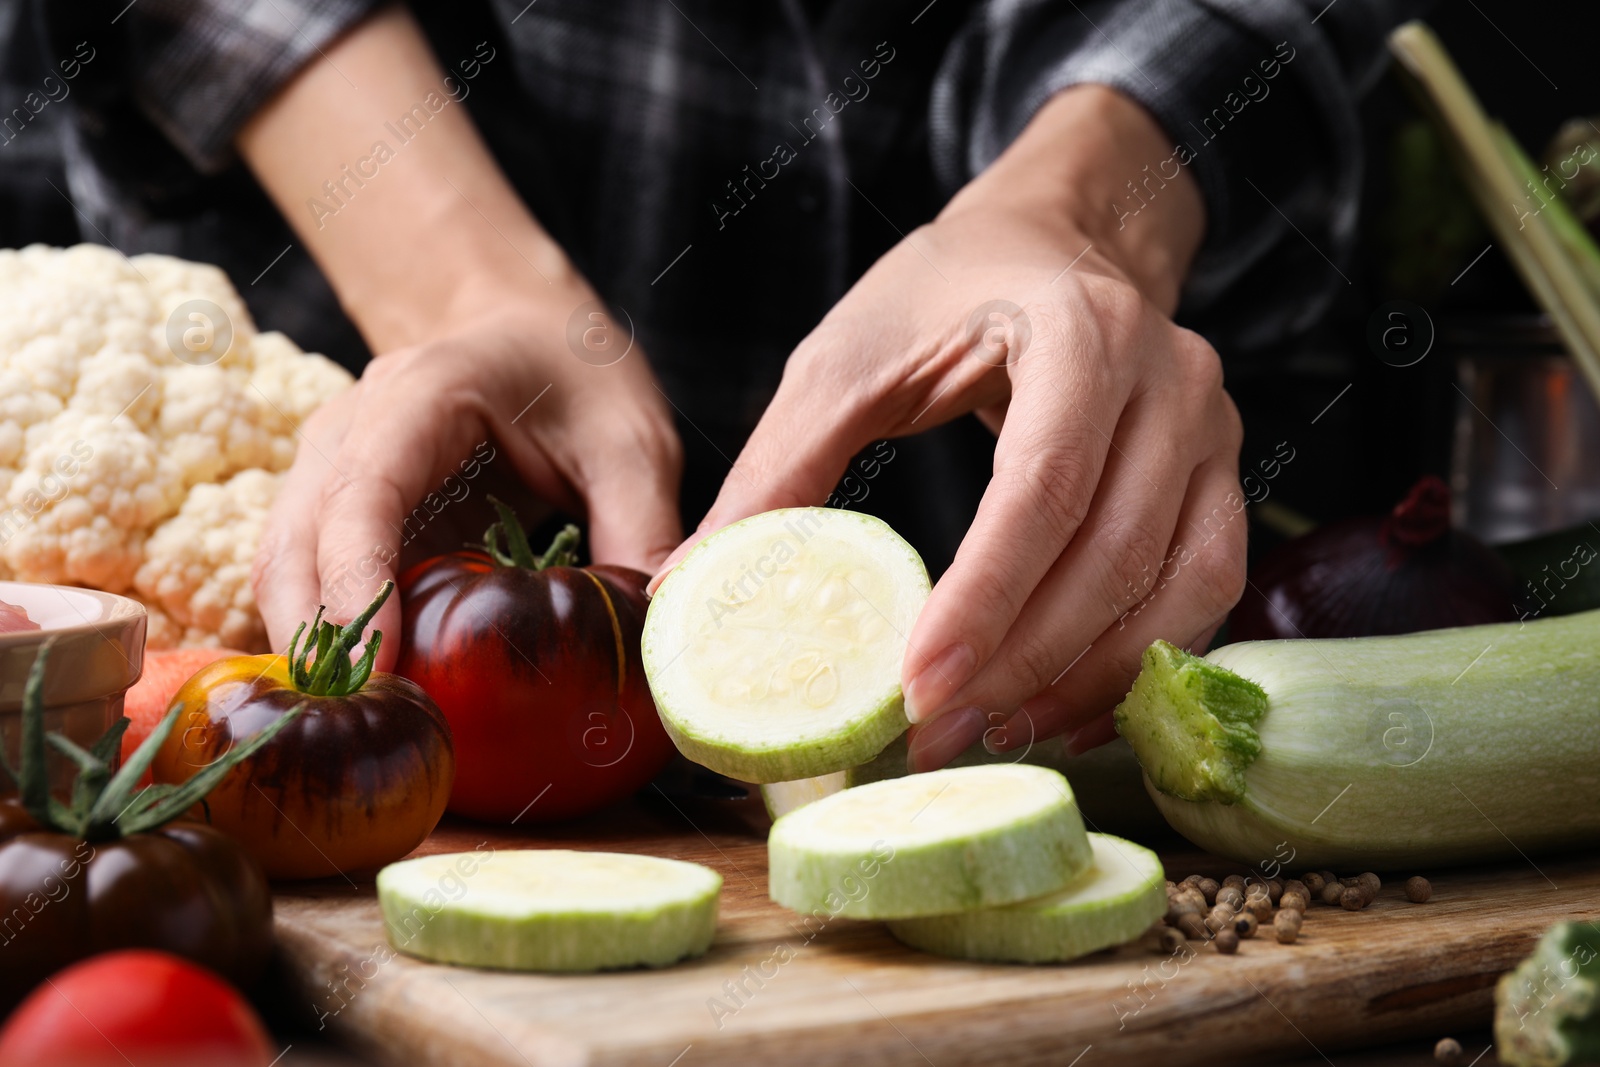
[{"x": 723, "y": 170}]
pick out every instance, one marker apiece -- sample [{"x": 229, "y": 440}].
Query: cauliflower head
[{"x": 143, "y": 424}]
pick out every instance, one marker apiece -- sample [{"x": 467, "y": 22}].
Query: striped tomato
[{"x": 535, "y": 663}]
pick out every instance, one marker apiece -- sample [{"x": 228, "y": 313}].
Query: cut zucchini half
[
  {"x": 929, "y": 844},
  {"x": 1118, "y": 898},
  {"x": 549, "y": 909},
  {"x": 774, "y": 649}
]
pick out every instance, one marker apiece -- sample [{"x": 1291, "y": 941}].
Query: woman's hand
[
  {"x": 584, "y": 437},
  {"x": 468, "y": 304},
  {"x": 1113, "y": 516}
]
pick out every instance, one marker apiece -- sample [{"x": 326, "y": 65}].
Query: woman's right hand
[
  {"x": 589, "y": 437},
  {"x": 467, "y": 301}
]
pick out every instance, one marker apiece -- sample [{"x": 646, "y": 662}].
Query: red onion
[{"x": 1380, "y": 574}]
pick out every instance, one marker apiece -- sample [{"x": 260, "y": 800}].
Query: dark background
[{"x": 1393, "y": 424}]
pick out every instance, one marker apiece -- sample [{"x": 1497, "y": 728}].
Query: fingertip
[
  {"x": 934, "y": 744},
  {"x": 284, "y": 581},
  {"x": 930, "y": 681},
  {"x": 673, "y": 559}
]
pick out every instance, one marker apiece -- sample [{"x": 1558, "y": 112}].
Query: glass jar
[{"x": 1526, "y": 456}]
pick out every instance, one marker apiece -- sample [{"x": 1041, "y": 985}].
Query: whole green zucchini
[{"x": 1450, "y": 746}]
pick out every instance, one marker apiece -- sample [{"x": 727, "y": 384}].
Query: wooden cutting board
[{"x": 848, "y": 994}]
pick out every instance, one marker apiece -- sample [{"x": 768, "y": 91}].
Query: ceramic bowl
[{"x": 98, "y": 653}]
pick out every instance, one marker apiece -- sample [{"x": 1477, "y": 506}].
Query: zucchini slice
[
  {"x": 929, "y": 844},
  {"x": 1121, "y": 894},
  {"x": 774, "y": 649},
  {"x": 549, "y": 909},
  {"x": 1106, "y": 782}
]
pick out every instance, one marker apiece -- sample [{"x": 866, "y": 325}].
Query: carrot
[{"x": 165, "y": 671}]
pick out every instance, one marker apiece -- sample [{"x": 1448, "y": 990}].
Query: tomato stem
[
  {"x": 333, "y": 674},
  {"x": 518, "y": 552},
  {"x": 562, "y": 551}
]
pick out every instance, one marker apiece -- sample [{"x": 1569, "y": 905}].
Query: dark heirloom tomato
[
  {"x": 110, "y": 871},
  {"x": 185, "y": 888},
  {"x": 356, "y": 782},
  {"x": 536, "y": 664}
]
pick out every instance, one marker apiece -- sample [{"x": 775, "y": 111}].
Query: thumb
[{"x": 794, "y": 458}]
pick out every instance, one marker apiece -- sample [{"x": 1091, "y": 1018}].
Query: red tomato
[
  {"x": 536, "y": 665},
  {"x": 139, "y": 1007}
]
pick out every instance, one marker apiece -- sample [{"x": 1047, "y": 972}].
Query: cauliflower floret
[
  {"x": 49, "y": 364},
  {"x": 21, "y": 406},
  {"x": 197, "y": 564},
  {"x": 114, "y": 382},
  {"x": 212, "y": 427},
  {"x": 293, "y": 384},
  {"x": 174, "y": 283},
  {"x": 79, "y": 298},
  {"x": 89, "y": 491}
]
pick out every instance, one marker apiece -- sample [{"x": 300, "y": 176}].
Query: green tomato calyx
[
  {"x": 517, "y": 552},
  {"x": 333, "y": 673}
]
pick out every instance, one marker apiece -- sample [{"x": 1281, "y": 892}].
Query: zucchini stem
[{"x": 1192, "y": 723}]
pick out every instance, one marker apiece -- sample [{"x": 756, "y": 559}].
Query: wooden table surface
[{"x": 852, "y": 995}]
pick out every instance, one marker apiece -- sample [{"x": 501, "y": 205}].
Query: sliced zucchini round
[
  {"x": 549, "y": 909},
  {"x": 1106, "y": 780},
  {"x": 774, "y": 649},
  {"x": 929, "y": 844},
  {"x": 1121, "y": 894}
]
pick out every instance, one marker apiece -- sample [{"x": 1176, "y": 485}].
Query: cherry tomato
[
  {"x": 358, "y": 780},
  {"x": 536, "y": 664},
  {"x": 135, "y": 1006}
]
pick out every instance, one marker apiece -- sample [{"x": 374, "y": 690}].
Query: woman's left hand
[{"x": 1114, "y": 515}]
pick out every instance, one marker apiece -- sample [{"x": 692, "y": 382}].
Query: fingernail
[
  {"x": 661, "y": 575},
  {"x": 938, "y": 679},
  {"x": 942, "y": 740}
]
